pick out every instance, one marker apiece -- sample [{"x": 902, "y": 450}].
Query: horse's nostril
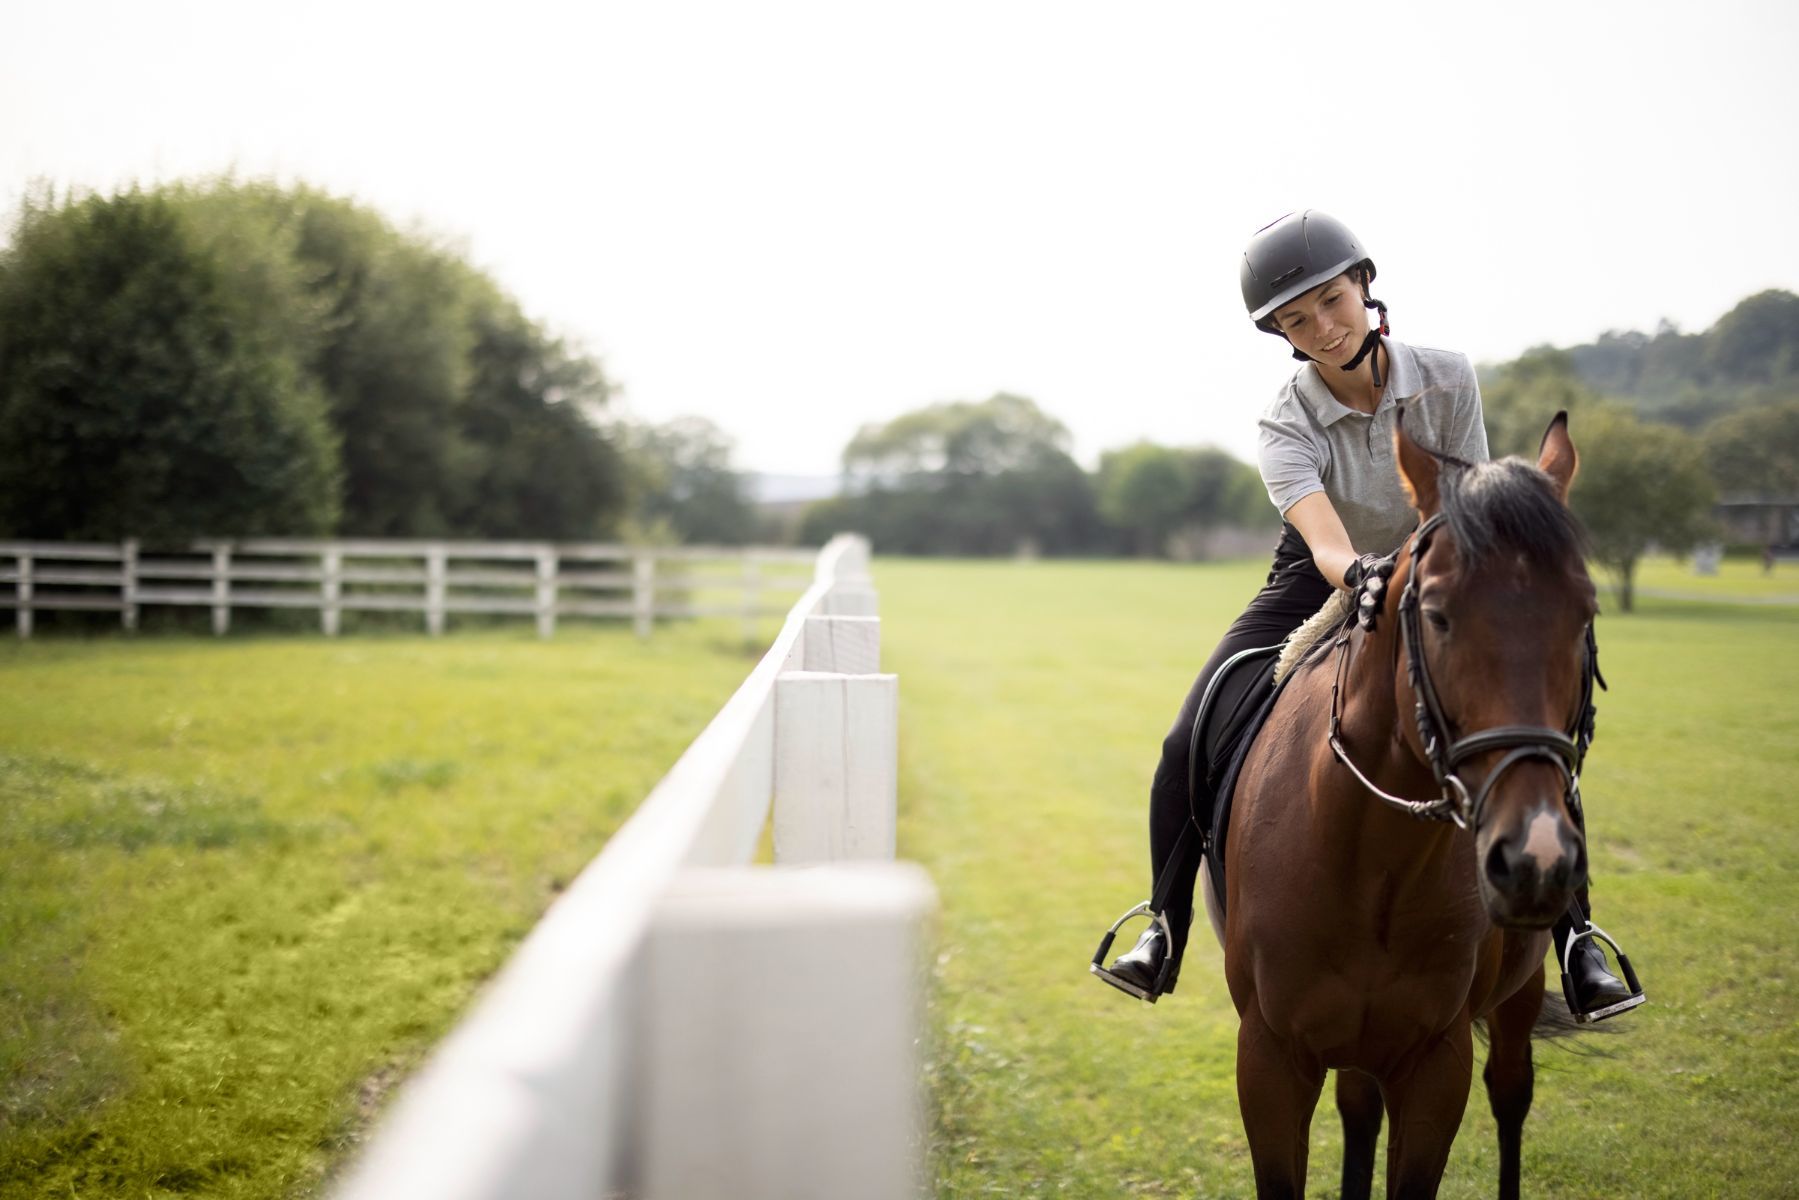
[{"x": 1499, "y": 864}]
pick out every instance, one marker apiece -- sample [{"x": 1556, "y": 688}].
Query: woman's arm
[{"x": 1321, "y": 527}]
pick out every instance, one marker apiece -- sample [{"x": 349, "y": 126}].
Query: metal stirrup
[
  {"x": 1636, "y": 996},
  {"x": 1100, "y": 969}
]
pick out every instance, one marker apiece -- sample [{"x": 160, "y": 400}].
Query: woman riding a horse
[
  {"x": 1326, "y": 454},
  {"x": 1360, "y": 934}
]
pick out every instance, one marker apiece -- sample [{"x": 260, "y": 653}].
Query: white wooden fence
[
  {"x": 682, "y": 1026},
  {"x": 542, "y": 580}
]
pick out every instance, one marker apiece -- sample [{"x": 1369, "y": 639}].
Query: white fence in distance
[
  {"x": 542, "y": 580},
  {"x": 682, "y": 1025}
]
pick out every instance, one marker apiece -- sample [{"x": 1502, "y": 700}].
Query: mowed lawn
[
  {"x": 246, "y": 883},
  {"x": 1033, "y": 700}
]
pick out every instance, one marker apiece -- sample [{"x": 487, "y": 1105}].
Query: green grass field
[
  {"x": 1034, "y": 697},
  {"x": 1737, "y": 578},
  {"x": 245, "y": 884}
]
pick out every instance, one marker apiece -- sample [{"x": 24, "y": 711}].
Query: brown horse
[{"x": 1360, "y": 938}]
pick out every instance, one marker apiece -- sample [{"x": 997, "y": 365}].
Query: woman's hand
[{"x": 1366, "y": 580}]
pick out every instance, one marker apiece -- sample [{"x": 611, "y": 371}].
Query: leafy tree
[
  {"x": 1044, "y": 506},
  {"x": 458, "y": 414},
  {"x": 394, "y": 359},
  {"x": 220, "y": 349},
  {"x": 153, "y": 378},
  {"x": 1755, "y": 453},
  {"x": 534, "y": 462},
  {"x": 1003, "y": 433},
  {"x": 1757, "y": 341},
  {"x": 681, "y": 474},
  {"x": 993, "y": 477},
  {"x": 1639, "y": 485},
  {"x": 1520, "y": 397},
  {"x": 1226, "y": 491},
  {"x": 1154, "y": 492},
  {"x": 1143, "y": 491}
]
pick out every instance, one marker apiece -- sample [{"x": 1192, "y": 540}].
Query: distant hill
[{"x": 1749, "y": 356}]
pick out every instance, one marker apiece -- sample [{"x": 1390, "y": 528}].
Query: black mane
[{"x": 1507, "y": 505}]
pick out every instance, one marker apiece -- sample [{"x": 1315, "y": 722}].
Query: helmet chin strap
[{"x": 1369, "y": 343}]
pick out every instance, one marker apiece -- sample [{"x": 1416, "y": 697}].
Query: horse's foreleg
[
  {"x": 1509, "y": 1075},
  {"x": 1425, "y": 1102},
  {"x": 1276, "y": 1091},
  {"x": 1360, "y": 1105}
]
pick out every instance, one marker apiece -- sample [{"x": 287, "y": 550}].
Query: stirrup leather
[
  {"x": 1636, "y": 996},
  {"x": 1100, "y": 969}
]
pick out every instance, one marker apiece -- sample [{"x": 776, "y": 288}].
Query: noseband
[{"x": 1455, "y": 803}]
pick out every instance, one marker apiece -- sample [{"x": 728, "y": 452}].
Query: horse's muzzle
[{"x": 1529, "y": 872}]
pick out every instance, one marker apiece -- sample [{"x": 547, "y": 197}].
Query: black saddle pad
[
  {"x": 1238, "y": 693},
  {"x": 1243, "y": 703}
]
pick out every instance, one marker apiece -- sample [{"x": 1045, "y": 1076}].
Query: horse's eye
[{"x": 1436, "y": 618}]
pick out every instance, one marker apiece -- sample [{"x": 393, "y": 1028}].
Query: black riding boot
[
  {"x": 1149, "y": 969},
  {"x": 1180, "y": 799},
  {"x": 1143, "y": 964},
  {"x": 1592, "y": 991}
]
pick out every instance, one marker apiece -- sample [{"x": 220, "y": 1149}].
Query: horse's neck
[{"x": 1373, "y": 731}]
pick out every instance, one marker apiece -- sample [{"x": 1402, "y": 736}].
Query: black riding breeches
[{"x": 1295, "y": 591}]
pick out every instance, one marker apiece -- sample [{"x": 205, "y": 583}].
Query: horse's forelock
[{"x": 1507, "y": 505}]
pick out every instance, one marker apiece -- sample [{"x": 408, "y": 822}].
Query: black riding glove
[{"x": 1366, "y": 578}]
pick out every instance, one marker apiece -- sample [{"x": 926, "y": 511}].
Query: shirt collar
[
  {"x": 1403, "y": 383},
  {"x": 1403, "y": 380}
]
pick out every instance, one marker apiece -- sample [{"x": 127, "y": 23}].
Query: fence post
[
  {"x": 221, "y": 589},
  {"x": 643, "y": 592},
  {"x": 836, "y": 766},
  {"x": 23, "y": 588},
  {"x": 435, "y": 567},
  {"x": 841, "y": 645},
  {"x": 781, "y": 1048},
  {"x": 851, "y": 599},
  {"x": 331, "y": 589},
  {"x": 128, "y": 585},
  {"x": 546, "y": 592}
]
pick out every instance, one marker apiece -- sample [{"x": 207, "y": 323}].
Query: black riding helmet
[{"x": 1295, "y": 254}]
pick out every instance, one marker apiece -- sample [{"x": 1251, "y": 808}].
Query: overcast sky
[{"x": 797, "y": 218}]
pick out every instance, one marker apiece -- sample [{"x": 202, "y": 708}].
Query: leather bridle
[{"x": 1455, "y": 803}]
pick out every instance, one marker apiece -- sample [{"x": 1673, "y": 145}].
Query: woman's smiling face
[{"x": 1329, "y": 323}]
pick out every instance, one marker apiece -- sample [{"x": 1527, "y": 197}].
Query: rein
[{"x": 1455, "y": 803}]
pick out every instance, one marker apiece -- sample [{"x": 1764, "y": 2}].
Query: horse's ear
[
  {"x": 1557, "y": 456},
  {"x": 1418, "y": 468}
]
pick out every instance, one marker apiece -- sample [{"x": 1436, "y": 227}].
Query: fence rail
[
  {"x": 543, "y": 580},
  {"x": 682, "y": 1026}
]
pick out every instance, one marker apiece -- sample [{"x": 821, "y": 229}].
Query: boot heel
[{"x": 1162, "y": 983}]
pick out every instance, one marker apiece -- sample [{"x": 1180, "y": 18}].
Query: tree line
[
  {"x": 996, "y": 477},
  {"x": 247, "y": 359},
  {"x": 230, "y": 358},
  {"x": 227, "y": 358},
  {"x": 1667, "y": 423}
]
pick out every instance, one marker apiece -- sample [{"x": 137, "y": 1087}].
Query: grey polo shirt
[{"x": 1311, "y": 443}]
